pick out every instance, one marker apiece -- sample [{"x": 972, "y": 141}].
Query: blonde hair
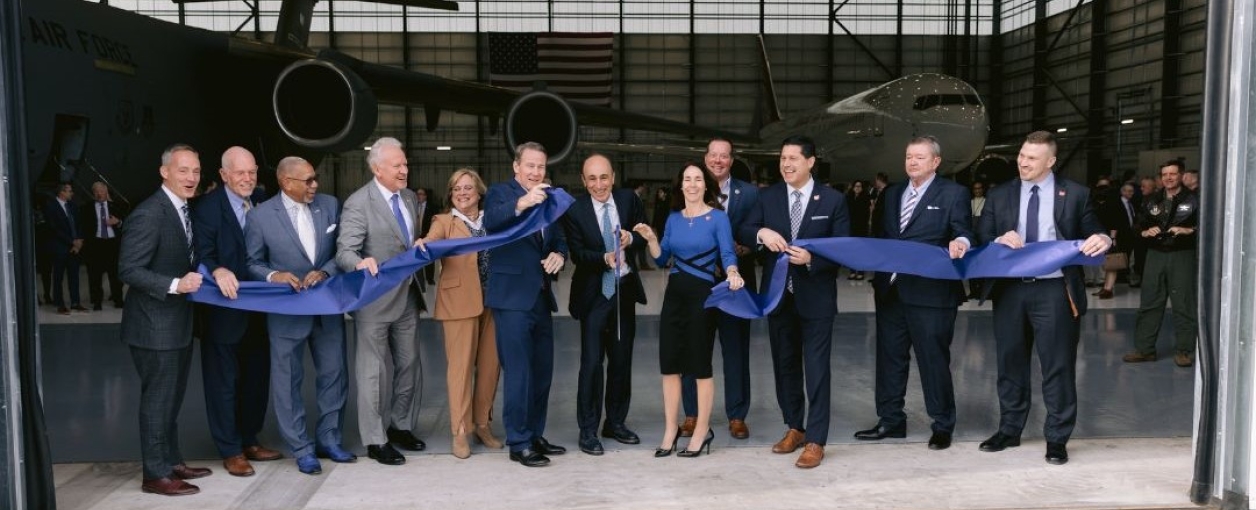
[{"x": 480, "y": 188}]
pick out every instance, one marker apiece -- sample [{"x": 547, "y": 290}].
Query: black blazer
[
  {"x": 584, "y": 239},
  {"x": 63, "y": 231},
  {"x": 941, "y": 215},
  {"x": 825, "y": 215},
  {"x": 88, "y": 224},
  {"x": 154, "y": 252},
  {"x": 1074, "y": 220},
  {"x": 1113, "y": 216},
  {"x": 220, "y": 243}
]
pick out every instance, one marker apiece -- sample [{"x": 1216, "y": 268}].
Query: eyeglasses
[{"x": 308, "y": 182}]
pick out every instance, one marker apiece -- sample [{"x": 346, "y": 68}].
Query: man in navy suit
[
  {"x": 100, "y": 223},
  {"x": 1044, "y": 310},
  {"x": 914, "y": 313},
  {"x": 605, "y": 291},
  {"x": 291, "y": 239},
  {"x": 800, "y": 328},
  {"x": 62, "y": 215},
  {"x": 235, "y": 363},
  {"x": 738, "y": 198},
  {"x": 522, "y": 300}
]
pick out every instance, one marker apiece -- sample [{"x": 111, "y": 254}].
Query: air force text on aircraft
[{"x": 53, "y": 34}]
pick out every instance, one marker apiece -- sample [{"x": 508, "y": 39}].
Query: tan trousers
[{"x": 472, "y": 372}]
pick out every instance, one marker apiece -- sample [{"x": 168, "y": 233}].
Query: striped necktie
[
  {"x": 909, "y": 207},
  {"x": 187, "y": 229}
]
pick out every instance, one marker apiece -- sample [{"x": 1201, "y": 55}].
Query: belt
[{"x": 1037, "y": 279}]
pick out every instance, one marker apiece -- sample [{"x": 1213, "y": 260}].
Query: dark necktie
[
  {"x": 1031, "y": 216},
  {"x": 1129, "y": 211},
  {"x": 401, "y": 219},
  {"x": 70, "y": 220},
  {"x": 187, "y": 229},
  {"x": 104, "y": 221}
]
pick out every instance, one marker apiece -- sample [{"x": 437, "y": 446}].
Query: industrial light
[
  {"x": 1127, "y": 121},
  {"x": 366, "y": 148},
  {"x": 444, "y": 148},
  {"x": 1062, "y": 130}
]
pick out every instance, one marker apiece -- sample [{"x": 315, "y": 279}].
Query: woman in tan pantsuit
[{"x": 470, "y": 345}]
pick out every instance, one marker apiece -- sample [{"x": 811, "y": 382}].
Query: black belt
[{"x": 1037, "y": 279}]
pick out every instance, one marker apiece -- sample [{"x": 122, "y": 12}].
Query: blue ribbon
[
  {"x": 907, "y": 257},
  {"x": 350, "y": 291}
]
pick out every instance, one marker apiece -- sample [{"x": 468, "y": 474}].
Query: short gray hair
[
  {"x": 929, "y": 140},
  {"x": 288, "y": 164},
  {"x": 235, "y": 149},
  {"x": 528, "y": 146},
  {"x": 379, "y": 145},
  {"x": 168, "y": 154}
]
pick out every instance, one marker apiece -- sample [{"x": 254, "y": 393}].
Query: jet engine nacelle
[
  {"x": 545, "y": 118},
  {"x": 324, "y": 106}
]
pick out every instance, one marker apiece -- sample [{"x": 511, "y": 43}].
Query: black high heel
[
  {"x": 659, "y": 452},
  {"x": 706, "y": 445}
]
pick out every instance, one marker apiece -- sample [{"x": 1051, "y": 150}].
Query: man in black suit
[
  {"x": 235, "y": 361},
  {"x": 100, "y": 225},
  {"x": 65, "y": 244},
  {"x": 605, "y": 291},
  {"x": 914, "y": 313},
  {"x": 158, "y": 261},
  {"x": 424, "y": 210},
  {"x": 800, "y": 328},
  {"x": 1045, "y": 310}
]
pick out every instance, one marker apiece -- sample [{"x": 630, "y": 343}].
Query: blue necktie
[
  {"x": 1031, "y": 216},
  {"x": 401, "y": 219},
  {"x": 608, "y": 238}
]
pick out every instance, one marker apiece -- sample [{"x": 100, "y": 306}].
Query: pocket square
[
  {"x": 931, "y": 207},
  {"x": 813, "y": 218},
  {"x": 331, "y": 228}
]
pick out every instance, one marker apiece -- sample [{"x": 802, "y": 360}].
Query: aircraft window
[{"x": 931, "y": 100}]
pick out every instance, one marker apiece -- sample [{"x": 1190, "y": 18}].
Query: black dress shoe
[
  {"x": 545, "y": 448},
  {"x": 385, "y": 454},
  {"x": 620, "y": 433},
  {"x": 1057, "y": 454},
  {"x": 999, "y": 442},
  {"x": 940, "y": 441},
  {"x": 590, "y": 445},
  {"x": 529, "y": 458},
  {"x": 406, "y": 440},
  {"x": 881, "y": 432}
]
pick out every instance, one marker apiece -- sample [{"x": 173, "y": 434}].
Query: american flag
[{"x": 576, "y": 66}]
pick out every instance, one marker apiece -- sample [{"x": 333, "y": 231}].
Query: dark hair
[
  {"x": 1042, "y": 137},
  {"x": 1192, "y": 171},
  {"x": 1174, "y": 162},
  {"x": 807, "y": 145},
  {"x": 882, "y": 177},
  {"x": 711, "y": 196}
]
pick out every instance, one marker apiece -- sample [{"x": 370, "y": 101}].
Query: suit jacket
[
  {"x": 941, "y": 215},
  {"x": 89, "y": 224},
  {"x": 369, "y": 229},
  {"x": 742, "y": 198},
  {"x": 825, "y": 215},
  {"x": 515, "y": 272},
  {"x": 424, "y": 221},
  {"x": 1074, "y": 220},
  {"x": 220, "y": 243},
  {"x": 458, "y": 294},
  {"x": 1112, "y": 215},
  {"x": 64, "y": 232},
  {"x": 273, "y": 245},
  {"x": 153, "y": 252},
  {"x": 584, "y": 238}
]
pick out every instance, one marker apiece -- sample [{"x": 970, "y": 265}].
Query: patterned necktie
[
  {"x": 1129, "y": 211},
  {"x": 608, "y": 238},
  {"x": 909, "y": 207},
  {"x": 187, "y": 229},
  {"x": 401, "y": 219},
  {"x": 104, "y": 221},
  {"x": 245, "y": 206},
  {"x": 1031, "y": 216},
  {"x": 795, "y": 215}
]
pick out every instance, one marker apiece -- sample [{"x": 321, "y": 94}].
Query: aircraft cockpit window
[{"x": 926, "y": 102}]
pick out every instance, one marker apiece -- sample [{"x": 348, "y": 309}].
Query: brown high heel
[{"x": 484, "y": 435}]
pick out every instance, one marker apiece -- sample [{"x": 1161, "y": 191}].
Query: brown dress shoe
[
  {"x": 1184, "y": 359},
  {"x": 237, "y": 465},
  {"x": 812, "y": 455},
  {"x": 1138, "y": 357},
  {"x": 460, "y": 447},
  {"x": 485, "y": 435},
  {"x": 788, "y": 444},
  {"x": 258, "y": 452},
  {"x": 186, "y": 472},
  {"x": 1104, "y": 294},
  {"x": 169, "y": 487},
  {"x": 687, "y": 426},
  {"x": 738, "y": 429}
]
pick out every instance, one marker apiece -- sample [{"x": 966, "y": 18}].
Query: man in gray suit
[
  {"x": 158, "y": 262},
  {"x": 291, "y": 239},
  {"x": 377, "y": 224}
]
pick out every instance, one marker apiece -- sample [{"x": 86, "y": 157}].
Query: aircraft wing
[{"x": 695, "y": 151}]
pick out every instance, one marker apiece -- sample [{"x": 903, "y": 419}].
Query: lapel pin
[
  {"x": 1061, "y": 192},
  {"x": 736, "y": 192},
  {"x": 816, "y": 198}
]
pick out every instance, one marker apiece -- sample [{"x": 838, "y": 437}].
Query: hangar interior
[{"x": 1113, "y": 78}]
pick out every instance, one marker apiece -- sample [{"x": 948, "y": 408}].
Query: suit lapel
[
  {"x": 321, "y": 223},
  {"x": 383, "y": 206},
  {"x": 1061, "y": 194},
  {"x": 893, "y": 209},
  {"x": 285, "y": 222},
  {"x": 923, "y": 204},
  {"x": 228, "y": 216}
]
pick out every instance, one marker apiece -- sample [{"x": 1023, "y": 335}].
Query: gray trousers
[
  {"x": 163, "y": 381},
  {"x": 376, "y": 341},
  {"x": 287, "y": 371}
]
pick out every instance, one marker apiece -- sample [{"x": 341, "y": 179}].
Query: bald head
[
  {"x": 239, "y": 171},
  {"x": 297, "y": 179},
  {"x": 598, "y": 177}
]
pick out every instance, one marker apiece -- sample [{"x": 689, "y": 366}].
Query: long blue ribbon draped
[
  {"x": 350, "y": 291},
  {"x": 907, "y": 257}
]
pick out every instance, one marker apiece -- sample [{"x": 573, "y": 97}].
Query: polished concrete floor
[{"x": 1131, "y": 447}]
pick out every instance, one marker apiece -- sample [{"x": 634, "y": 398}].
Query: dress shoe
[
  {"x": 78, "y": 308},
  {"x": 590, "y": 445},
  {"x": 812, "y": 455},
  {"x": 738, "y": 429},
  {"x": 261, "y": 453},
  {"x": 706, "y": 445},
  {"x": 999, "y": 442},
  {"x": 687, "y": 426},
  {"x": 1104, "y": 294},
  {"x": 460, "y": 447},
  {"x": 545, "y": 448},
  {"x": 309, "y": 465},
  {"x": 485, "y": 436},
  {"x": 1138, "y": 357},
  {"x": 1184, "y": 359},
  {"x": 406, "y": 440},
  {"x": 66, "y": 311},
  {"x": 1057, "y": 453},
  {"x": 237, "y": 465},
  {"x": 96, "y": 307},
  {"x": 169, "y": 487},
  {"x": 940, "y": 441},
  {"x": 881, "y": 432},
  {"x": 620, "y": 433},
  {"x": 792, "y": 440},
  {"x": 186, "y": 472},
  {"x": 529, "y": 458},
  {"x": 335, "y": 453},
  {"x": 385, "y": 454}
]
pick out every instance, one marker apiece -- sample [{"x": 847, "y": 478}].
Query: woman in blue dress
[{"x": 699, "y": 239}]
